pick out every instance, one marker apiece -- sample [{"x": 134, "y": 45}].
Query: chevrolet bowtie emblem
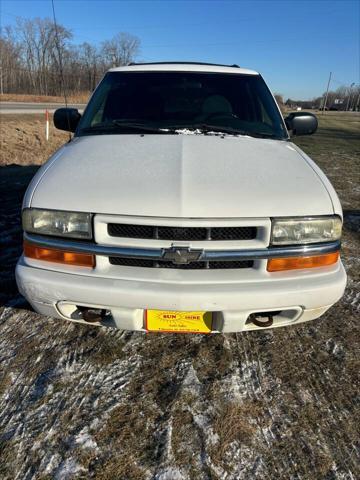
[{"x": 181, "y": 255}]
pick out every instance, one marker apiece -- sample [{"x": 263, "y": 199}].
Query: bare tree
[
  {"x": 10, "y": 61},
  {"x": 121, "y": 49},
  {"x": 280, "y": 101},
  {"x": 90, "y": 59},
  {"x": 39, "y": 45}
]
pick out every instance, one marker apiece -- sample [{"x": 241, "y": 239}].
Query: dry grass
[
  {"x": 235, "y": 422},
  {"x": 130, "y": 431},
  {"x": 22, "y": 140},
  {"x": 5, "y": 383},
  {"x": 8, "y": 458},
  {"x": 187, "y": 441},
  {"x": 81, "y": 97}
]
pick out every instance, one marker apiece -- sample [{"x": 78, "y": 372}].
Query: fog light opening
[
  {"x": 274, "y": 318},
  {"x": 262, "y": 319},
  {"x": 92, "y": 315}
]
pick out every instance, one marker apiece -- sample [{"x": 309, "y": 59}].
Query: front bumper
[{"x": 299, "y": 297}]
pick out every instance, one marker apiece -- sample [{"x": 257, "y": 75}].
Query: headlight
[
  {"x": 288, "y": 231},
  {"x": 58, "y": 223}
]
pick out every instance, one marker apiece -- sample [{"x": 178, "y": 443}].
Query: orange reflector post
[
  {"x": 59, "y": 256},
  {"x": 293, "y": 263}
]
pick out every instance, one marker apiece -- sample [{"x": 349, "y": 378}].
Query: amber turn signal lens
[
  {"x": 59, "y": 256},
  {"x": 294, "y": 263}
]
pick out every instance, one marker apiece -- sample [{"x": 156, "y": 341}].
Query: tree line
[
  {"x": 344, "y": 98},
  {"x": 34, "y": 51}
]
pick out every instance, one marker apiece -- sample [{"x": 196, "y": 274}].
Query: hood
[{"x": 181, "y": 176}]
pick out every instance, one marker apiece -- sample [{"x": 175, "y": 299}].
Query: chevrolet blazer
[{"x": 181, "y": 205}]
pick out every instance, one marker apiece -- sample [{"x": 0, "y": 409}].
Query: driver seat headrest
[{"x": 216, "y": 104}]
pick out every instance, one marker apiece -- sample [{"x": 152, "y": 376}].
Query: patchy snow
[
  {"x": 352, "y": 296},
  {"x": 68, "y": 469},
  {"x": 191, "y": 381},
  {"x": 85, "y": 440},
  {"x": 50, "y": 463},
  {"x": 199, "y": 131},
  {"x": 170, "y": 473}
]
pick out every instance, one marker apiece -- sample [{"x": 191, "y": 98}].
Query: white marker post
[{"x": 47, "y": 125}]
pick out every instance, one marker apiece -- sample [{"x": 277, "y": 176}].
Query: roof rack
[{"x": 184, "y": 63}]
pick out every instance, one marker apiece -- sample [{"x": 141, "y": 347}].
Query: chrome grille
[{"x": 181, "y": 233}]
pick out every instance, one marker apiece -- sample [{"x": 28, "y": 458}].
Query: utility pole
[
  {"x": 327, "y": 91},
  {"x": 1, "y": 80},
  {"x": 357, "y": 103}
]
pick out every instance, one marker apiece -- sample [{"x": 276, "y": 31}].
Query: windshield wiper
[
  {"x": 264, "y": 135},
  {"x": 120, "y": 125}
]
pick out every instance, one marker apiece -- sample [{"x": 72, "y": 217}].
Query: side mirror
[
  {"x": 301, "y": 123},
  {"x": 66, "y": 119}
]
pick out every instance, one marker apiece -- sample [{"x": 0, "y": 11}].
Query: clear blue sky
[{"x": 294, "y": 44}]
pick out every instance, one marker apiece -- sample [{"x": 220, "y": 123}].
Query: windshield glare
[{"x": 182, "y": 100}]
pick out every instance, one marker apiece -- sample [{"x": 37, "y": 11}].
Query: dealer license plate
[{"x": 178, "y": 322}]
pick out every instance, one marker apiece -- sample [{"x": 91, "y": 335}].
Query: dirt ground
[
  {"x": 81, "y": 402},
  {"x": 81, "y": 97},
  {"x": 23, "y": 141}
]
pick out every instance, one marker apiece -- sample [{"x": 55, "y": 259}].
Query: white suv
[{"x": 181, "y": 205}]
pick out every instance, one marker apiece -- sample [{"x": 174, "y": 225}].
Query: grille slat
[
  {"x": 181, "y": 233},
  {"x": 143, "y": 263},
  {"x": 233, "y": 233},
  {"x": 131, "y": 231}
]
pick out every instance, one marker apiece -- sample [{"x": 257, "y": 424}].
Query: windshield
[{"x": 173, "y": 102}]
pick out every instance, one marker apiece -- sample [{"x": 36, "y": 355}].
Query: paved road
[{"x": 27, "y": 107}]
